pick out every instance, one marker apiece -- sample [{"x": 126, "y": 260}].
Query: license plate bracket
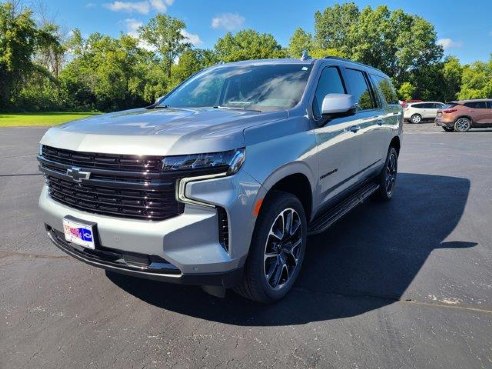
[{"x": 80, "y": 232}]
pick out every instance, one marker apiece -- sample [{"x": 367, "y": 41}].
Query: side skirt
[{"x": 333, "y": 214}]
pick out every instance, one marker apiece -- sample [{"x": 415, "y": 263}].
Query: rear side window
[
  {"x": 386, "y": 87},
  {"x": 329, "y": 82},
  {"x": 418, "y": 106},
  {"x": 489, "y": 104},
  {"x": 360, "y": 89},
  {"x": 476, "y": 105}
]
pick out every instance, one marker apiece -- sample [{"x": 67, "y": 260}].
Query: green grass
[{"x": 40, "y": 119}]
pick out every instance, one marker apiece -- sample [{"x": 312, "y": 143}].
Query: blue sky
[{"x": 464, "y": 28}]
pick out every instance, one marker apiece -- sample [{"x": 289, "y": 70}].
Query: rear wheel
[
  {"x": 277, "y": 249},
  {"x": 462, "y": 124},
  {"x": 387, "y": 177},
  {"x": 416, "y": 118}
]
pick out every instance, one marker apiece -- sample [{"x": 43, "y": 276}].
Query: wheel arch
[
  {"x": 396, "y": 143},
  {"x": 294, "y": 179},
  {"x": 464, "y": 116}
]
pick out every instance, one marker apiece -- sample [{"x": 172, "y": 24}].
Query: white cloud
[
  {"x": 228, "y": 21},
  {"x": 192, "y": 38},
  {"x": 142, "y": 7},
  {"x": 161, "y": 5},
  {"x": 132, "y": 26},
  {"x": 448, "y": 43}
]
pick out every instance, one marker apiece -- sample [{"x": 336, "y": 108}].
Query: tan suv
[{"x": 462, "y": 115}]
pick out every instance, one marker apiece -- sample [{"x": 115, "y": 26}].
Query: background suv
[
  {"x": 220, "y": 182},
  {"x": 419, "y": 111},
  {"x": 460, "y": 116}
]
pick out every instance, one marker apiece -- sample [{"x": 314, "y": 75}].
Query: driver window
[{"x": 330, "y": 82}]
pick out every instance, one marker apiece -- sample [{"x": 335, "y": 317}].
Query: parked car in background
[
  {"x": 419, "y": 111},
  {"x": 462, "y": 115}
]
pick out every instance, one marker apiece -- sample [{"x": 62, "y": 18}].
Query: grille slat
[
  {"x": 119, "y": 185},
  {"x": 152, "y": 164}
]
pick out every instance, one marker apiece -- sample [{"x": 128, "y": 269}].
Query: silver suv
[{"x": 220, "y": 182}]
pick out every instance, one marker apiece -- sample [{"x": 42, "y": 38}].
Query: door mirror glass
[{"x": 338, "y": 105}]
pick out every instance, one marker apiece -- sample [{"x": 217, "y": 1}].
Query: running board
[{"x": 325, "y": 220}]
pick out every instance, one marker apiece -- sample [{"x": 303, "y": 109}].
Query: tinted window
[
  {"x": 386, "y": 87},
  {"x": 329, "y": 82},
  {"x": 489, "y": 104},
  {"x": 476, "y": 104},
  {"x": 360, "y": 90},
  {"x": 418, "y": 106}
]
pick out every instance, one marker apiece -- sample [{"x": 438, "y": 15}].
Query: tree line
[{"x": 42, "y": 70}]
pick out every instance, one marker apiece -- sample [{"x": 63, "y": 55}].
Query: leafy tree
[
  {"x": 393, "y": 41},
  {"x": 18, "y": 37},
  {"x": 452, "y": 73},
  {"x": 165, "y": 33},
  {"x": 406, "y": 91},
  {"x": 108, "y": 75},
  {"x": 335, "y": 25},
  {"x": 248, "y": 44},
  {"x": 300, "y": 41},
  {"x": 477, "y": 81}
]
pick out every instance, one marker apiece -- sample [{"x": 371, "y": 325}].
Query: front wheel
[
  {"x": 387, "y": 177},
  {"x": 277, "y": 249}
]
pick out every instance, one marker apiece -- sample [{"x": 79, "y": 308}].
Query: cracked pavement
[{"x": 407, "y": 284}]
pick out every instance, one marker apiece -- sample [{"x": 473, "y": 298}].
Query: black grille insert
[{"x": 119, "y": 185}]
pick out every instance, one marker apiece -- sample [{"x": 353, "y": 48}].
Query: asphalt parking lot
[{"x": 407, "y": 284}]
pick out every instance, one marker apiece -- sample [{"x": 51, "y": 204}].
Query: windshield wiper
[{"x": 235, "y": 108}]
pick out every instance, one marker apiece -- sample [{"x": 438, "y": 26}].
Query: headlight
[{"x": 228, "y": 161}]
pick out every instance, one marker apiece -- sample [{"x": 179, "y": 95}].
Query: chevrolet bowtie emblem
[{"x": 77, "y": 175}]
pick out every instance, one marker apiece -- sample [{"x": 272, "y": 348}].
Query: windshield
[{"x": 253, "y": 87}]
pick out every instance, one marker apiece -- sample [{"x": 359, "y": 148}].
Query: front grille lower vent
[{"x": 223, "y": 228}]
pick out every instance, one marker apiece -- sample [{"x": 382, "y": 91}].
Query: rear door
[
  {"x": 369, "y": 119},
  {"x": 432, "y": 111},
  {"x": 481, "y": 112},
  {"x": 488, "y": 113}
]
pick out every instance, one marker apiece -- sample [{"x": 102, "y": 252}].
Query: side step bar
[{"x": 325, "y": 220}]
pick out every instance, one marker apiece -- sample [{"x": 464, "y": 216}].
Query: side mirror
[{"x": 338, "y": 105}]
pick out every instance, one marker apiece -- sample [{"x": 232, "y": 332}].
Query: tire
[
  {"x": 416, "y": 119},
  {"x": 448, "y": 129},
  {"x": 268, "y": 257},
  {"x": 462, "y": 124},
  {"x": 387, "y": 177}
]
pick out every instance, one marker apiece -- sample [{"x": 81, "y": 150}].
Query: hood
[{"x": 159, "y": 131}]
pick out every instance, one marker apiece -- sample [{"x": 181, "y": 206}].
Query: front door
[{"x": 337, "y": 141}]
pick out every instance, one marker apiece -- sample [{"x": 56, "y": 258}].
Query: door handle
[{"x": 354, "y": 129}]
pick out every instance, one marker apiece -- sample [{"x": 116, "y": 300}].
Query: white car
[{"x": 419, "y": 111}]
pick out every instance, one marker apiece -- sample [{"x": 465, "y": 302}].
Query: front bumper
[
  {"x": 189, "y": 243},
  {"x": 138, "y": 265}
]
